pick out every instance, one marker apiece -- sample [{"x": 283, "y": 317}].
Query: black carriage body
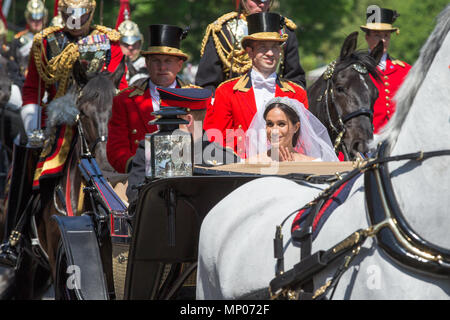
[{"x": 166, "y": 232}]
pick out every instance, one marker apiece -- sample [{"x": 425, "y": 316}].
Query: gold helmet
[
  {"x": 36, "y": 10},
  {"x": 129, "y": 31},
  {"x": 77, "y": 14}
]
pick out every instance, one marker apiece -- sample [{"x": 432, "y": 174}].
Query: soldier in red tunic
[
  {"x": 132, "y": 108},
  {"x": 393, "y": 71},
  {"x": 53, "y": 55},
  {"x": 237, "y": 100},
  {"x": 97, "y": 47}
]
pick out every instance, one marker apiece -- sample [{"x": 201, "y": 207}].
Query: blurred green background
[{"x": 323, "y": 24}]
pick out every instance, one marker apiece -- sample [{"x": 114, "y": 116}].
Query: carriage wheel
[{"x": 64, "y": 279}]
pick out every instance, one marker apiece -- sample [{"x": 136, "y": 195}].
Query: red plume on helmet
[
  {"x": 124, "y": 5},
  {"x": 1, "y": 14},
  {"x": 55, "y": 8},
  {"x": 238, "y": 5}
]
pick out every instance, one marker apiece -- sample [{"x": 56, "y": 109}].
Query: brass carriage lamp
[{"x": 169, "y": 152}]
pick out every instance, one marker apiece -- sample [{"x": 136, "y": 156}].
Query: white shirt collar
[
  {"x": 258, "y": 77},
  {"x": 263, "y": 88}
]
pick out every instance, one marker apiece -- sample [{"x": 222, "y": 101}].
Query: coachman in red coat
[
  {"x": 132, "y": 109},
  {"x": 393, "y": 71}
]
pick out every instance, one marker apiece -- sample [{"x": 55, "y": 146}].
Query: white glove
[
  {"x": 15, "y": 100},
  {"x": 30, "y": 116}
]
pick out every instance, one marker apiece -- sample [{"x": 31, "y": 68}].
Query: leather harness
[{"x": 388, "y": 225}]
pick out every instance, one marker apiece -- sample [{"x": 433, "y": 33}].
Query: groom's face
[{"x": 265, "y": 55}]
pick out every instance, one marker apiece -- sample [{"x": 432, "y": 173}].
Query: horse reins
[
  {"x": 285, "y": 285},
  {"x": 342, "y": 119},
  {"x": 103, "y": 138}
]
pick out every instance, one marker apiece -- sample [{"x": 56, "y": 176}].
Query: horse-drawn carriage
[{"x": 154, "y": 244}]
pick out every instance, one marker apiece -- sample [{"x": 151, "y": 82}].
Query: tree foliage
[{"x": 322, "y": 24}]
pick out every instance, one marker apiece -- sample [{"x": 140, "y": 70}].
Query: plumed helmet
[
  {"x": 86, "y": 4},
  {"x": 35, "y": 10},
  {"x": 77, "y": 14},
  {"x": 129, "y": 32}
]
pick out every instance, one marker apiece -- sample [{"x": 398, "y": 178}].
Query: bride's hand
[{"x": 285, "y": 154}]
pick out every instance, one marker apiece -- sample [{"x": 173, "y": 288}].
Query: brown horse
[
  {"x": 344, "y": 96},
  {"x": 86, "y": 112}
]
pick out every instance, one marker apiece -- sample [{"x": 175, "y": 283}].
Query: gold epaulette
[
  {"x": 288, "y": 85},
  {"x": 21, "y": 33},
  {"x": 399, "y": 62},
  {"x": 138, "y": 90},
  {"x": 45, "y": 33},
  {"x": 215, "y": 27},
  {"x": 113, "y": 34},
  {"x": 290, "y": 24},
  {"x": 123, "y": 90},
  {"x": 226, "y": 81}
]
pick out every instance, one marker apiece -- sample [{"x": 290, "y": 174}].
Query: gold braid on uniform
[
  {"x": 113, "y": 35},
  {"x": 59, "y": 68},
  {"x": 235, "y": 60}
]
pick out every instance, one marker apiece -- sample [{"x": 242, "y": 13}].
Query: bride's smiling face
[{"x": 279, "y": 126}]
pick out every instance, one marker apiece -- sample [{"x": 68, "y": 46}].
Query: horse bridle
[
  {"x": 342, "y": 119},
  {"x": 103, "y": 138},
  {"x": 388, "y": 225},
  {"x": 85, "y": 148}
]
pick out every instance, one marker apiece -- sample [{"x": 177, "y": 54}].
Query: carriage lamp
[{"x": 169, "y": 151}]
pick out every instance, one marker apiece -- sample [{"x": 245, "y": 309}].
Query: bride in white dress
[{"x": 286, "y": 131}]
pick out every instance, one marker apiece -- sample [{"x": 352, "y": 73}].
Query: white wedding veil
[{"x": 313, "y": 140}]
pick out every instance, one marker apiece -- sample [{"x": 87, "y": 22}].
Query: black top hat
[
  {"x": 264, "y": 26},
  {"x": 383, "y": 22},
  {"x": 166, "y": 39}
]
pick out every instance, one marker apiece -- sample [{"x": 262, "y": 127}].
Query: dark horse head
[
  {"x": 95, "y": 107},
  {"x": 344, "y": 96}
]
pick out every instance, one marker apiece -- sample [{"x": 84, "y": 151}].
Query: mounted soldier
[
  {"x": 379, "y": 27},
  {"x": 131, "y": 40},
  {"x": 36, "y": 17},
  {"x": 39, "y": 157},
  {"x": 223, "y": 58}
]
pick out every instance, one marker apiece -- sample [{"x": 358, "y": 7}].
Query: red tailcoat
[
  {"x": 30, "y": 91},
  {"x": 392, "y": 78},
  {"x": 235, "y": 106},
  {"x": 129, "y": 123}
]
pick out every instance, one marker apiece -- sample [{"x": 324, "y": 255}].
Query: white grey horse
[{"x": 236, "y": 240}]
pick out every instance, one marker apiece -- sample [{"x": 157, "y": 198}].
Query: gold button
[
  {"x": 387, "y": 98},
  {"x": 240, "y": 126},
  {"x": 386, "y": 77},
  {"x": 388, "y": 112},
  {"x": 136, "y": 141},
  {"x": 387, "y": 91},
  {"x": 387, "y": 104},
  {"x": 240, "y": 139},
  {"x": 134, "y": 131},
  {"x": 386, "y": 84}
]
